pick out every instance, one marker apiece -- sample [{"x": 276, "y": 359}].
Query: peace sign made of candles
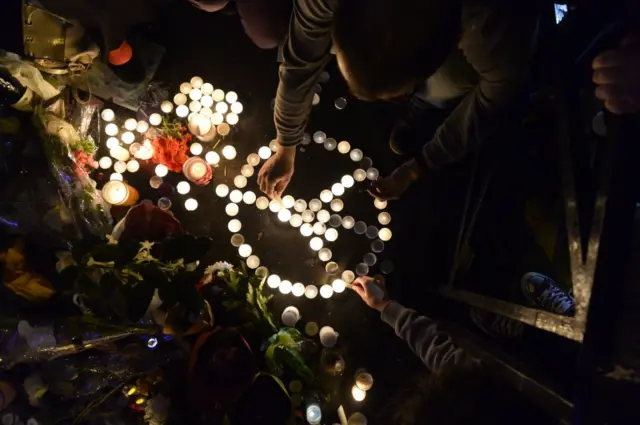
[{"x": 312, "y": 218}]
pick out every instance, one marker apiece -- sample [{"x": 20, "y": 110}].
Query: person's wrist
[
  {"x": 380, "y": 305},
  {"x": 288, "y": 152},
  {"x": 413, "y": 169}
]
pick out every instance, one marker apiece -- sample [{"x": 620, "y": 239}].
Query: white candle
[
  {"x": 195, "y": 168},
  {"x": 377, "y": 246},
  {"x": 275, "y": 205},
  {"x": 108, "y": 115},
  {"x": 384, "y": 218},
  {"x": 130, "y": 124},
  {"x": 384, "y": 234},
  {"x": 253, "y": 261},
  {"x": 249, "y": 197},
  {"x": 105, "y": 162},
  {"x": 253, "y": 159},
  {"x": 326, "y": 291},
  {"x": 212, "y": 158},
  {"x": 372, "y": 173},
  {"x": 357, "y": 393},
  {"x": 306, "y": 229},
  {"x": 290, "y": 315},
  {"x": 195, "y": 106},
  {"x": 133, "y": 166},
  {"x": 197, "y": 82},
  {"x": 247, "y": 170},
  {"x": 232, "y": 118},
  {"x": 161, "y": 170},
  {"x": 128, "y": 137},
  {"x": 335, "y": 220},
  {"x": 311, "y": 291},
  {"x": 234, "y": 225},
  {"x": 190, "y": 204},
  {"x": 264, "y": 152},
  {"x": 206, "y": 102},
  {"x": 111, "y": 129},
  {"x": 369, "y": 259},
  {"x": 134, "y": 149},
  {"x": 232, "y": 209},
  {"x": 231, "y": 97},
  {"x": 116, "y": 177},
  {"x": 185, "y": 88},
  {"x": 295, "y": 220},
  {"x": 195, "y": 148},
  {"x": 182, "y": 111},
  {"x": 217, "y": 118},
  {"x": 262, "y": 271},
  {"x": 183, "y": 187},
  {"x": 229, "y": 152},
  {"x": 344, "y": 147},
  {"x": 356, "y": 155},
  {"x": 262, "y": 203},
  {"x": 180, "y": 99},
  {"x": 338, "y": 286},
  {"x": 362, "y": 269},
  {"x": 364, "y": 380},
  {"x": 142, "y": 127},
  {"x": 218, "y": 95},
  {"x": 318, "y": 228},
  {"x": 235, "y": 196},
  {"x": 328, "y": 336},
  {"x": 308, "y": 216},
  {"x": 119, "y": 153},
  {"x": 297, "y": 289},
  {"x": 285, "y": 287},
  {"x": 164, "y": 203},
  {"x": 379, "y": 204},
  {"x": 337, "y": 189},
  {"x": 337, "y": 205},
  {"x": 372, "y": 232},
  {"x": 347, "y": 181},
  {"x": 300, "y": 205},
  {"x": 224, "y": 129},
  {"x": 273, "y": 281},
  {"x": 284, "y": 215},
  {"x": 237, "y": 240},
  {"x": 348, "y": 276},
  {"x": 207, "y": 89},
  {"x": 222, "y": 190},
  {"x": 330, "y": 144},
  {"x": 118, "y": 193},
  {"x": 325, "y": 254},
  {"x": 360, "y": 227},
  {"x": 319, "y": 137},
  {"x": 348, "y": 222},
  {"x": 222, "y": 107},
  {"x": 155, "y": 182},
  {"x": 273, "y": 145},
  {"x": 315, "y": 205},
  {"x": 245, "y": 250},
  {"x": 323, "y": 216},
  {"x": 288, "y": 201},
  {"x": 237, "y": 108},
  {"x": 313, "y": 414},
  {"x": 340, "y": 103},
  {"x": 316, "y": 243},
  {"x": 359, "y": 175},
  {"x": 166, "y": 107},
  {"x": 326, "y": 196},
  {"x": 240, "y": 181},
  {"x": 112, "y": 142},
  {"x": 331, "y": 235}
]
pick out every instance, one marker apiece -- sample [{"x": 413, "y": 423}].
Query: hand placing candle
[{"x": 372, "y": 292}]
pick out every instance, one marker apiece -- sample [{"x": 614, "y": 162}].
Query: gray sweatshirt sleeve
[
  {"x": 435, "y": 347},
  {"x": 305, "y": 54}
]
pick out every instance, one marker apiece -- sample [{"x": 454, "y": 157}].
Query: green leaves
[{"x": 284, "y": 351}]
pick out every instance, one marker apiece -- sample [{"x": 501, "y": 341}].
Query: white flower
[
  {"x": 111, "y": 240},
  {"x": 147, "y": 245},
  {"x": 218, "y": 267},
  {"x": 192, "y": 266}
]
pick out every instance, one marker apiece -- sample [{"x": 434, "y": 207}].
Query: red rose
[{"x": 146, "y": 222}]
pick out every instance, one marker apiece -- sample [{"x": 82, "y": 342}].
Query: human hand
[
  {"x": 394, "y": 185},
  {"x": 276, "y": 172},
  {"x": 372, "y": 292},
  {"x": 617, "y": 74}
]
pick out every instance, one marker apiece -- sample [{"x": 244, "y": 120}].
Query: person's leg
[{"x": 265, "y": 21}]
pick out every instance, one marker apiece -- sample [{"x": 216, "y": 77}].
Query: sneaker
[
  {"x": 405, "y": 136},
  {"x": 496, "y": 325},
  {"x": 543, "y": 292}
]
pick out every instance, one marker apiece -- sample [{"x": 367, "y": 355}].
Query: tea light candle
[
  {"x": 290, "y": 316},
  {"x": 253, "y": 261},
  {"x": 331, "y": 235},
  {"x": 335, "y": 220},
  {"x": 212, "y": 158},
  {"x": 313, "y": 414},
  {"x": 300, "y": 205},
  {"x": 182, "y": 111},
  {"x": 288, "y": 201},
  {"x": 119, "y": 193},
  {"x": 130, "y": 124},
  {"x": 253, "y": 159},
  {"x": 206, "y": 111},
  {"x": 231, "y": 97},
  {"x": 217, "y": 118},
  {"x": 377, "y": 246},
  {"x": 245, "y": 250},
  {"x": 360, "y": 227},
  {"x": 337, "y": 205},
  {"x": 325, "y": 254},
  {"x": 306, "y": 230},
  {"x": 323, "y": 216},
  {"x": 308, "y": 216},
  {"x": 359, "y": 175},
  {"x": 369, "y": 259},
  {"x": 183, "y": 187},
  {"x": 207, "y": 88},
  {"x": 340, "y": 103},
  {"x": 364, "y": 380},
  {"x": 262, "y": 203},
  {"x": 262, "y": 271},
  {"x": 384, "y": 234},
  {"x": 337, "y": 189},
  {"x": 264, "y": 152},
  {"x": 297, "y": 289},
  {"x": 240, "y": 181},
  {"x": 247, "y": 170},
  {"x": 112, "y": 142},
  {"x": 344, "y": 147},
  {"x": 362, "y": 269},
  {"x": 348, "y": 222},
  {"x": 111, "y": 129},
  {"x": 235, "y": 196},
  {"x": 348, "y": 276},
  {"x": 180, "y": 99},
  {"x": 195, "y": 106},
  {"x": 206, "y": 102},
  {"x": 166, "y": 107},
  {"x": 285, "y": 287},
  {"x": 372, "y": 173},
  {"x": 232, "y": 119},
  {"x": 328, "y": 336},
  {"x": 311, "y": 291},
  {"x": 190, "y": 204},
  {"x": 326, "y": 196},
  {"x": 161, "y": 170},
  {"x": 119, "y": 153},
  {"x": 384, "y": 218},
  {"x": 229, "y": 152},
  {"x": 108, "y": 115},
  {"x": 316, "y": 243},
  {"x": 234, "y": 225},
  {"x": 142, "y": 126},
  {"x": 218, "y": 95},
  {"x": 222, "y": 190},
  {"x": 185, "y": 88},
  {"x": 319, "y": 137},
  {"x": 155, "y": 119},
  {"x": 306, "y": 139},
  {"x": 195, "y": 94},
  {"x": 330, "y": 144},
  {"x": 295, "y": 220},
  {"x": 326, "y": 291},
  {"x": 318, "y": 228},
  {"x": 105, "y": 162},
  {"x": 155, "y": 182},
  {"x": 249, "y": 197},
  {"x": 134, "y": 149},
  {"x": 356, "y": 155},
  {"x": 222, "y": 107},
  {"x": 127, "y": 137},
  {"x": 347, "y": 181},
  {"x": 133, "y": 166},
  {"x": 237, "y": 108},
  {"x": 237, "y": 239},
  {"x": 196, "y": 82},
  {"x": 195, "y": 168},
  {"x": 379, "y": 204},
  {"x": 284, "y": 215},
  {"x": 357, "y": 393},
  {"x": 338, "y": 286},
  {"x": 315, "y": 205},
  {"x": 116, "y": 176},
  {"x": 273, "y": 281},
  {"x": 372, "y": 232}
]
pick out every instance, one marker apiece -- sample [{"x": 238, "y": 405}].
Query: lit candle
[
  {"x": 253, "y": 159},
  {"x": 182, "y": 111},
  {"x": 195, "y": 148},
  {"x": 245, "y": 250},
  {"x": 240, "y": 181},
  {"x": 111, "y": 129},
  {"x": 229, "y": 152},
  {"x": 284, "y": 215},
  {"x": 323, "y": 216},
  {"x": 195, "y": 94},
  {"x": 207, "y": 89},
  {"x": 253, "y": 261},
  {"x": 300, "y": 205},
  {"x": 315, "y": 205},
  {"x": 364, "y": 380},
  {"x": 337, "y": 189},
  {"x": 356, "y": 155},
  {"x": 218, "y": 95},
  {"x": 319, "y": 137},
  {"x": 207, "y": 102},
  {"x": 142, "y": 127},
  {"x": 231, "y": 97},
  {"x": 130, "y": 124},
  {"x": 306, "y": 229},
  {"x": 344, "y": 147},
  {"x": 217, "y": 118},
  {"x": 311, "y": 291},
  {"x": 328, "y": 336},
  {"x": 369, "y": 259},
  {"x": 319, "y": 228},
  {"x": 326, "y": 291},
  {"x": 133, "y": 166},
  {"x": 212, "y": 158},
  {"x": 331, "y": 235},
  {"x": 348, "y": 222},
  {"x": 297, "y": 289},
  {"x": 273, "y": 281},
  {"x": 234, "y": 225},
  {"x": 237, "y": 240},
  {"x": 262, "y": 203},
  {"x": 331, "y": 267},
  {"x": 180, "y": 99},
  {"x": 313, "y": 414},
  {"x": 235, "y": 196},
  {"x": 325, "y": 254},
  {"x": 134, "y": 149},
  {"x": 330, "y": 144},
  {"x": 308, "y": 216},
  {"x": 195, "y": 169},
  {"x": 384, "y": 218},
  {"x": 155, "y": 182},
  {"x": 237, "y": 108},
  {"x": 316, "y": 243},
  {"x": 288, "y": 201},
  {"x": 362, "y": 269},
  {"x": 112, "y": 142},
  {"x": 222, "y": 190},
  {"x": 246, "y": 170},
  {"x": 183, "y": 187},
  {"x": 359, "y": 175},
  {"x": 379, "y": 204},
  {"x": 185, "y": 88},
  {"x": 119, "y": 153},
  {"x": 206, "y": 112},
  {"x": 338, "y": 286},
  {"x": 197, "y": 82},
  {"x": 166, "y": 107},
  {"x": 161, "y": 170},
  {"x": 190, "y": 204},
  {"x": 295, "y": 220},
  {"x": 285, "y": 287},
  {"x": 222, "y": 107},
  {"x": 377, "y": 246},
  {"x": 384, "y": 234},
  {"x": 275, "y": 205},
  {"x": 348, "y": 276},
  {"x": 105, "y": 162},
  {"x": 128, "y": 137},
  {"x": 108, "y": 115},
  {"x": 326, "y": 196},
  {"x": 119, "y": 193},
  {"x": 249, "y": 197},
  {"x": 357, "y": 419},
  {"x": 195, "y": 106},
  {"x": 264, "y": 152},
  {"x": 347, "y": 181},
  {"x": 290, "y": 316},
  {"x": 337, "y": 205},
  {"x": 232, "y": 119},
  {"x": 357, "y": 393},
  {"x": 372, "y": 173},
  {"x": 116, "y": 176}
]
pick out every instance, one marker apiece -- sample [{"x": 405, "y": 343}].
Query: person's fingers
[
  {"x": 610, "y": 58},
  {"x": 270, "y": 185},
  {"x": 359, "y": 290},
  {"x": 620, "y": 106},
  {"x": 280, "y": 187},
  {"x": 362, "y": 280},
  {"x": 617, "y": 75},
  {"x": 617, "y": 99}
]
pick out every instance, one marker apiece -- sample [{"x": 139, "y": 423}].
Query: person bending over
[{"x": 469, "y": 55}]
